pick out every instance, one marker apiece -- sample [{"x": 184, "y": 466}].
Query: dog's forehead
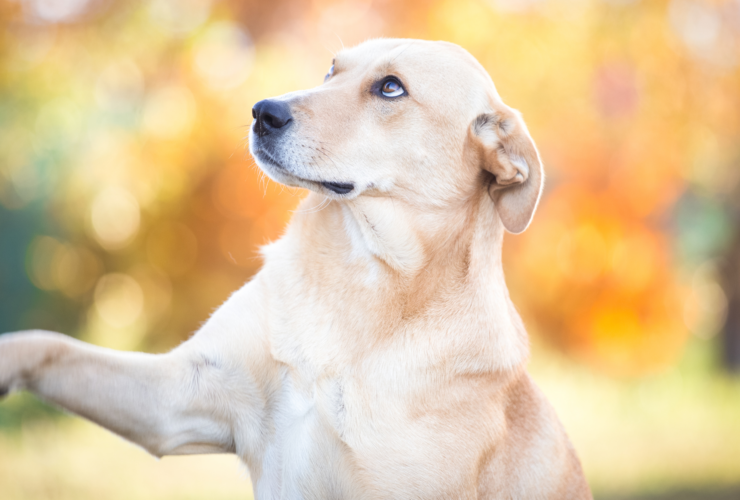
[
  {"x": 392, "y": 50},
  {"x": 420, "y": 62}
]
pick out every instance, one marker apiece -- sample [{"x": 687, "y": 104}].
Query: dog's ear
[{"x": 506, "y": 150}]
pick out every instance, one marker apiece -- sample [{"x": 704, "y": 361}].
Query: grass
[{"x": 679, "y": 430}]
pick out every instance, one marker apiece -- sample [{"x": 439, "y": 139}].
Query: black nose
[{"x": 270, "y": 116}]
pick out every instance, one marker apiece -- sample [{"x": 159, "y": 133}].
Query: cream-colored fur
[{"x": 377, "y": 353}]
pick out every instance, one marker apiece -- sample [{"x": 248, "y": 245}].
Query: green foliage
[{"x": 23, "y": 409}]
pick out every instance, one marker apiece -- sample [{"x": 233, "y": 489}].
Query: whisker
[
  {"x": 317, "y": 208},
  {"x": 399, "y": 54},
  {"x": 329, "y": 50}
]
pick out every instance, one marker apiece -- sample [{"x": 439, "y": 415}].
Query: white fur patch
[{"x": 287, "y": 458}]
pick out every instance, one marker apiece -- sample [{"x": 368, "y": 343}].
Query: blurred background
[{"x": 130, "y": 209}]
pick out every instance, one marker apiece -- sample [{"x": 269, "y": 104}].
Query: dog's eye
[
  {"x": 391, "y": 88},
  {"x": 331, "y": 72}
]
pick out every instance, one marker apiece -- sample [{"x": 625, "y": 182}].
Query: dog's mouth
[
  {"x": 339, "y": 187},
  {"x": 336, "y": 187}
]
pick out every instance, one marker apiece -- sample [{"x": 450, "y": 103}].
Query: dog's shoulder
[{"x": 534, "y": 458}]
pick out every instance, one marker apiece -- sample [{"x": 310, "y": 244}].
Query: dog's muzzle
[{"x": 271, "y": 118}]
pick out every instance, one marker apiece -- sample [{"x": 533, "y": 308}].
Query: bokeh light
[
  {"x": 223, "y": 56},
  {"x": 114, "y": 216},
  {"x": 118, "y": 299}
]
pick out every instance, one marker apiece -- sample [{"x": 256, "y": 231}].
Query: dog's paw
[
  {"x": 21, "y": 354},
  {"x": 9, "y": 364}
]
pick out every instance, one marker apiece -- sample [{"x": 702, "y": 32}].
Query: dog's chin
[{"x": 283, "y": 175}]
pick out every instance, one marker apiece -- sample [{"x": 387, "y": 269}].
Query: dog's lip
[
  {"x": 333, "y": 186},
  {"x": 339, "y": 187},
  {"x": 266, "y": 157}
]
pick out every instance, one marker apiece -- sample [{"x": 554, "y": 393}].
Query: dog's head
[{"x": 416, "y": 120}]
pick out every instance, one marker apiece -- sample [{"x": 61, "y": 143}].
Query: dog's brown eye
[{"x": 391, "y": 88}]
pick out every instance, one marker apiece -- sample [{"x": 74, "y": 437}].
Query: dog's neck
[
  {"x": 463, "y": 236},
  {"x": 401, "y": 263}
]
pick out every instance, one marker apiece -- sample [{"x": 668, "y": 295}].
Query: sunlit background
[{"x": 130, "y": 209}]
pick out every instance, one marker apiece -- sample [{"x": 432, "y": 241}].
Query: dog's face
[{"x": 419, "y": 121}]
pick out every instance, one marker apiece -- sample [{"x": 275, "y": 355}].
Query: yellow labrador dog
[{"x": 377, "y": 354}]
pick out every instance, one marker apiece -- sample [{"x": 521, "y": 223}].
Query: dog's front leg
[{"x": 160, "y": 402}]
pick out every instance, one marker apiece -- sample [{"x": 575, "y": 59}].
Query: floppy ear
[{"x": 507, "y": 151}]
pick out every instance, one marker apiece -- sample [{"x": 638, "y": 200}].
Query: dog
[{"x": 377, "y": 353}]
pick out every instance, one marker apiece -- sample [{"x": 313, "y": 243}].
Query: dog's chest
[
  {"x": 305, "y": 454},
  {"x": 349, "y": 418},
  {"x": 335, "y": 436}
]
